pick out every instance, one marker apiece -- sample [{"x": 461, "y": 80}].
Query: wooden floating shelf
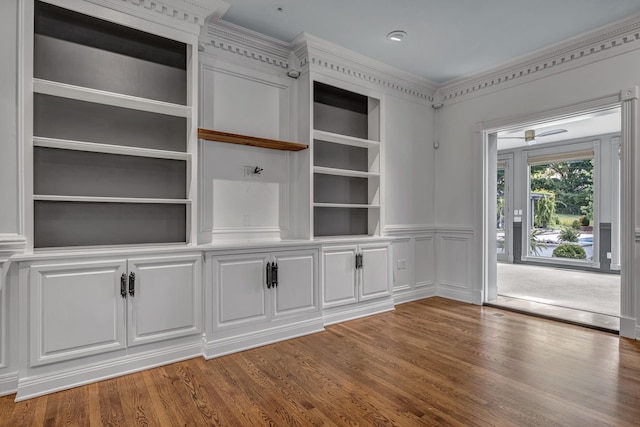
[{"x": 232, "y": 138}]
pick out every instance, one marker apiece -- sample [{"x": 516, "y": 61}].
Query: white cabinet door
[
  {"x": 164, "y": 298},
  {"x": 76, "y": 310},
  {"x": 339, "y": 276},
  {"x": 297, "y": 290},
  {"x": 375, "y": 272},
  {"x": 240, "y": 291}
]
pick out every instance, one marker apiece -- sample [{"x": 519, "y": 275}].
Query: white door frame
[
  {"x": 629, "y": 101},
  {"x": 508, "y": 208}
]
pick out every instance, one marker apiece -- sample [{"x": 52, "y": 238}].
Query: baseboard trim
[
  {"x": 49, "y": 383},
  {"x": 457, "y": 294},
  {"x": 8, "y": 383},
  {"x": 354, "y": 311},
  {"x": 236, "y": 343},
  {"x": 415, "y": 294}
]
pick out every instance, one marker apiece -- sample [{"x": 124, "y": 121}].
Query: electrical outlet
[{"x": 399, "y": 264}]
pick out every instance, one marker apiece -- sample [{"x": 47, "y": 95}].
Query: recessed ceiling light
[{"x": 396, "y": 36}]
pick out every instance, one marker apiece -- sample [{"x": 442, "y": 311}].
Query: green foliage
[
  {"x": 572, "y": 183},
  {"x": 575, "y": 224},
  {"x": 535, "y": 245},
  {"x": 584, "y": 220},
  {"x": 568, "y": 235},
  {"x": 569, "y": 250},
  {"x": 544, "y": 209}
]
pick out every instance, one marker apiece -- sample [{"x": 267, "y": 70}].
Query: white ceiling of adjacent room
[
  {"x": 444, "y": 40},
  {"x": 583, "y": 126}
]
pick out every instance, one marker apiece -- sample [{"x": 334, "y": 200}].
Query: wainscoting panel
[
  {"x": 454, "y": 264},
  {"x": 413, "y": 261}
]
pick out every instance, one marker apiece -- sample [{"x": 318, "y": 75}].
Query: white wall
[
  {"x": 8, "y": 117},
  {"x": 409, "y": 155},
  {"x": 459, "y": 186}
]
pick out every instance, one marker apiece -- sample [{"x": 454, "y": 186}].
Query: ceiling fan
[{"x": 530, "y": 135}]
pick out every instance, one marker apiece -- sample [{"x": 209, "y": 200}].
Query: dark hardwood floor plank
[{"x": 430, "y": 362}]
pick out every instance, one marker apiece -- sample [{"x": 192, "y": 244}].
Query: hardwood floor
[{"x": 431, "y": 362}]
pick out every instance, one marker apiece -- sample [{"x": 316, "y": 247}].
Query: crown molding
[
  {"x": 610, "y": 40},
  {"x": 239, "y": 41},
  {"x": 188, "y": 15},
  {"x": 307, "y": 51},
  {"x": 327, "y": 57}
]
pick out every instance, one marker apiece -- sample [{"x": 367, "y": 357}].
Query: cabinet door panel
[
  {"x": 296, "y": 291},
  {"x": 240, "y": 292},
  {"x": 76, "y": 310},
  {"x": 375, "y": 272},
  {"x": 339, "y": 276},
  {"x": 166, "y": 302}
]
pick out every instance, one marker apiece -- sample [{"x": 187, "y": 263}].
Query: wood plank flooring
[{"x": 431, "y": 362}]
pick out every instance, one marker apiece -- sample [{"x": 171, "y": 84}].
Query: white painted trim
[
  {"x": 241, "y": 342},
  {"x": 425, "y": 291},
  {"x": 8, "y": 383},
  {"x": 343, "y": 313},
  {"x": 109, "y": 98},
  {"x": 48, "y": 383},
  {"x": 604, "y": 42},
  {"x": 11, "y": 244},
  {"x": 404, "y": 229},
  {"x": 183, "y": 15},
  {"x": 628, "y": 98},
  {"x": 65, "y": 144}
]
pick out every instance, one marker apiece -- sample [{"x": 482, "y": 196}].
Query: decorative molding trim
[
  {"x": 610, "y": 40},
  {"x": 426, "y": 290},
  {"x": 11, "y": 244},
  {"x": 194, "y": 12},
  {"x": 403, "y": 230},
  {"x": 8, "y": 383},
  {"x": 48, "y": 383},
  {"x": 355, "y": 311},
  {"x": 309, "y": 51},
  {"x": 454, "y": 229},
  {"x": 323, "y": 56},
  {"x": 239, "y": 41},
  {"x": 241, "y": 342}
]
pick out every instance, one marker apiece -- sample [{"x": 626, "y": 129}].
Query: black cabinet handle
[
  {"x": 123, "y": 285},
  {"x": 358, "y": 261},
  {"x": 269, "y": 275},
  {"x": 132, "y": 284},
  {"x": 274, "y": 269}
]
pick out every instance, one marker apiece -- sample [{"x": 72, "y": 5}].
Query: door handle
[
  {"x": 132, "y": 283},
  {"x": 269, "y": 275},
  {"x": 274, "y": 270},
  {"x": 123, "y": 285}
]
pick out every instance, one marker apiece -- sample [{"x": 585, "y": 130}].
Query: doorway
[{"x": 522, "y": 211}]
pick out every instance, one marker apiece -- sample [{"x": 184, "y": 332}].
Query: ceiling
[
  {"x": 599, "y": 123},
  {"x": 446, "y": 39}
]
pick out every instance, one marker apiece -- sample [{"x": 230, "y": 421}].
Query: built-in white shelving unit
[
  {"x": 111, "y": 123},
  {"x": 346, "y": 162}
]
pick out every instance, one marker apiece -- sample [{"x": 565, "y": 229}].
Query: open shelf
[
  {"x": 80, "y": 50},
  {"x": 346, "y": 163},
  {"x": 74, "y": 223},
  {"x": 108, "y": 148},
  {"x": 111, "y": 149},
  {"x": 80, "y": 93},
  {"x": 344, "y": 172},
  {"x": 343, "y": 139},
  {"x": 232, "y": 138},
  {"x": 76, "y": 120}
]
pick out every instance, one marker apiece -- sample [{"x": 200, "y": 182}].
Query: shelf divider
[
  {"x": 65, "y": 144},
  {"x": 232, "y": 138},
  {"x": 92, "y": 199}
]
